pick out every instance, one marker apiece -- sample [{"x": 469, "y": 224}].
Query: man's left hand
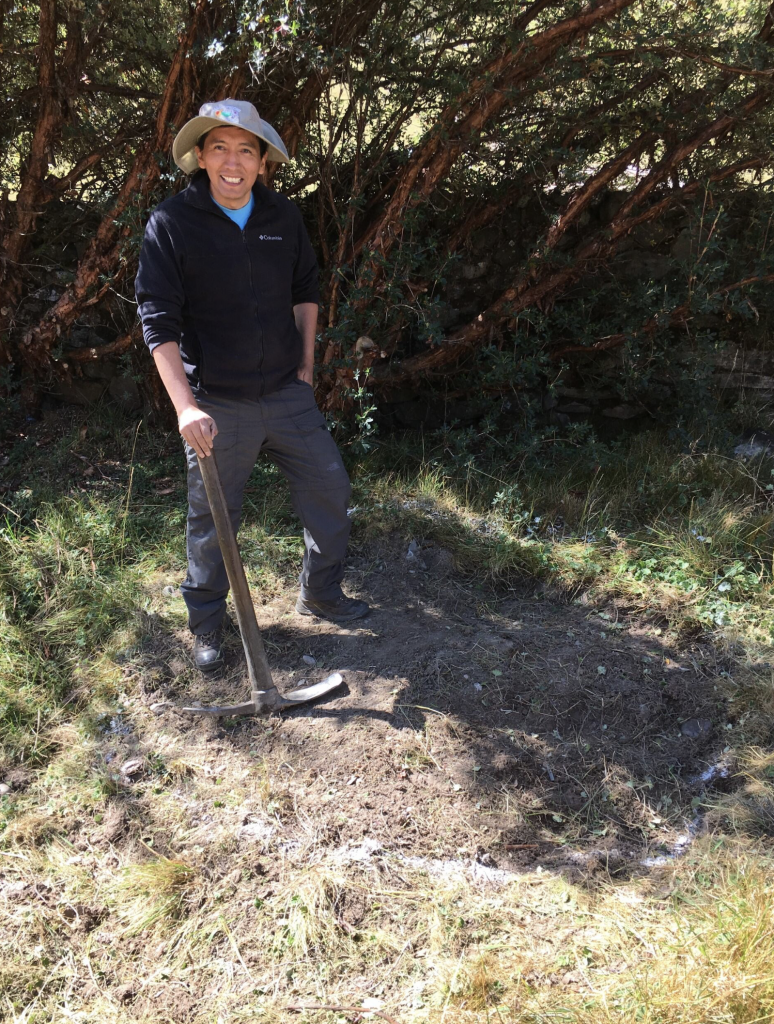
[{"x": 306, "y": 374}]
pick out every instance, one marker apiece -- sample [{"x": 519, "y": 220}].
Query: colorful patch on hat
[{"x": 226, "y": 113}]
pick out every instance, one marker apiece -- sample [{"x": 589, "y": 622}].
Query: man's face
[{"x": 232, "y": 159}]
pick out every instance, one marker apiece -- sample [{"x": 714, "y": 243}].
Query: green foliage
[{"x": 384, "y": 80}]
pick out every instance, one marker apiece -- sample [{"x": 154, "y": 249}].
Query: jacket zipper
[
  {"x": 242, "y": 231},
  {"x": 262, "y": 383}
]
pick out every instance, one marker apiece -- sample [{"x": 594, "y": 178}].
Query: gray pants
[{"x": 291, "y": 430}]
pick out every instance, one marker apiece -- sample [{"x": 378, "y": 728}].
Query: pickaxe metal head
[{"x": 266, "y": 701}]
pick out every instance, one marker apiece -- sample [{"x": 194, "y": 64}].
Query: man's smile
[{"x": 233, "y": 161}]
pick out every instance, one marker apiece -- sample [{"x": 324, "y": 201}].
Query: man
[{"x": 227, "y": 293}]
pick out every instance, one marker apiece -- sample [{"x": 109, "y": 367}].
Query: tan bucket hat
[{"x": 236, "y": 114}]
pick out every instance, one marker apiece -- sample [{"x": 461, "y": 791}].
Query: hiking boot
[
  {"x": 208, "y": 651},
  {"x": 339, "y": 609}
]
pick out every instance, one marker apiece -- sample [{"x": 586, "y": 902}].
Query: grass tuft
[{"x": 156, "y": 894}]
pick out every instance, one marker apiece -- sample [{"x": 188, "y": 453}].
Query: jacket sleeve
[
  {"x": 305, "y": 288},
  {"x": 159, "y": 285}
]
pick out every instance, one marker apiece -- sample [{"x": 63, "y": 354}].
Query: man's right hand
[{"x": 198, "y": 429}]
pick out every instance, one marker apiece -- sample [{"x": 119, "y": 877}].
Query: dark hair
[{"x": 262, "y": 146}]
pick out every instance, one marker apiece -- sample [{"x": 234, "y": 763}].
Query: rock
[
  {"x": 125, "y": 392},
  {"x": 46, "y": 294},
  {"x": 415, "y": 413},
  {"x": 583, "y": 394},
  {"x": 439, "y": 560},
  {"x": 754, "y": 443},
  {"x": 5, "y": 789},
  {"x": 364, "y": 344},
  {"x": 466, "y": 411},
  {"x": 485, "y": 857},
  {"x": 18, "y": 778},
  {"x": 169, "y": 591},
  {"x": 132, "y": 767},
  {"x": 558, "y": 419},
  {"x": 611, "y": 204},
  {"x": 474, "y": 271},
  {"x": 414, "y": 555},
  {"x": 549, "y": 401},
  {"x": 309, "y": 660},
  {"x": 686, "y": 246},
  {"x": 641, "y": 266},
  {"x": 485, "y": 239},
  {"x": 83, "y": 337},
  {"x": 609, "y": 362},
  {"x": 736, "y": 381},
  {"x": 651, "y": 234},
  {"x": 695, "y": 727},
  {"x": 124, "y": 993},
  {"x": 622, "y": 412},
  {"x": 575, "y": 409},
  {"x": 100, "y": 369},
  {"x": 739, "y": 359},
  {"x": 79, "y": 392}
]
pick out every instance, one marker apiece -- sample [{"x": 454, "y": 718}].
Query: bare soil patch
[{"x": 516, "y": 733}]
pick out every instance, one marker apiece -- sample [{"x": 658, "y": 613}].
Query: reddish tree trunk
[
  {"x": 21, "y": 216},
  {"x": 489, "y": 94},
  {"x": 102, "y": 257},
  {"x": 545, "y": 282}
]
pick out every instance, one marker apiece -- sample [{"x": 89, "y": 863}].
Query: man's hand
[
  {"x": 198, "y": 429},
  {"x": 306, "y": 374}
]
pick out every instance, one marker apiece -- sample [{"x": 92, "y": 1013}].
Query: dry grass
[
  {"x": 154, "y": 896},
  {"x": 231, "y": 929},
  {"x": 749, "y": 810},
  {"x": 204, "y": 889}
]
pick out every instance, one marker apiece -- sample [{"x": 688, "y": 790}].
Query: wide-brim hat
[{"x": 235, "y": 114}]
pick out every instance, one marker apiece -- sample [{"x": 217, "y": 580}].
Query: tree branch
[
  {"x": 102, "y": 253},
  {"x": 543, "y": 284},
  {"x": 489, "y": 93}
]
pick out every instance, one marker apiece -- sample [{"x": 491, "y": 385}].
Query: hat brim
[{"x": 184, "y": 146}]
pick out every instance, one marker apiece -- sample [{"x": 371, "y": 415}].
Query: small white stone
[
  {"x": 5, "y": 789},
  {"x": 309, "y": 660}
]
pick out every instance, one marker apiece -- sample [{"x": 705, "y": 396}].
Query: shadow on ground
[{"x": 528, "y": 733}]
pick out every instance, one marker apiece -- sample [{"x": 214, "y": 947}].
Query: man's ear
[{"x": 199, "y": 154}]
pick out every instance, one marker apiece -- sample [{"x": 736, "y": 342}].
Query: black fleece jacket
[{"x": 226, "y": 296}]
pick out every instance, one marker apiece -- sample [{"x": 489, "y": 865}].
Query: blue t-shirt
[{"x": 240, "y": 216}]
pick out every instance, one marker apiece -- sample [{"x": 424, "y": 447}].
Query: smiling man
[{"x": 227, "y": 294}]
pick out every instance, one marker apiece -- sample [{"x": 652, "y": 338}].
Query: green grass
[
  {"x": 676, "y": 530},
  {"x": 660, "y": 526},
  {"x": 686, "y": 537}
]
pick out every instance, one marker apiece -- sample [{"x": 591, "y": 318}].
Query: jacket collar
[{"x": 198, "y": 193}]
